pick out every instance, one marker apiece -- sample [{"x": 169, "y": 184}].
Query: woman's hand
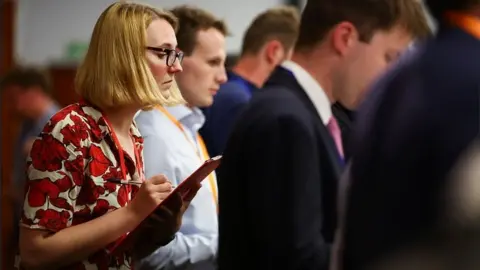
[
  {"x": 160, "y": 228},
  {"x": 170, "y": 215},
  {"x": 151, "y": 193}
]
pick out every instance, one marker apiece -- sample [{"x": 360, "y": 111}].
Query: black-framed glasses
[{"x": 171, "y": 54}]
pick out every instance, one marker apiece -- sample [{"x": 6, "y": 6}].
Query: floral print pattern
[{"x": 68, "y": 171}]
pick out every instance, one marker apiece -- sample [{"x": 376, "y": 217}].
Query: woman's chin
[{"x": 165, "y": 91}]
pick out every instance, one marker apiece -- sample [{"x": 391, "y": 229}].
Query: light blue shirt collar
[{"x": 191, "y": 118}]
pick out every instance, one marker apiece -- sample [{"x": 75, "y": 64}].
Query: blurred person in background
[
  {"x": 28, "y": 91},
  {"x": 267, "y": 42},
  {"x": 86, "y": 187},
  {"x": 411, "y": 197},
  {"x": 346, "y": 116},
  {"x": 283, "y": 160},
  {"x": 174, "y": 147}
]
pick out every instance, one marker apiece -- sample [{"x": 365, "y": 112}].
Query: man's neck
[
  {"x": 319, "y": 70},
  {"x": 121, "y": 119},
  {"x": 252, "y": 69}
]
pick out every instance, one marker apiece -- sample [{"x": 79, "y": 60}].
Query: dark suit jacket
[
  {"x": 278, "y": 183},
  {"x": 345, "y": 120},
  {"x": 420, "y": 118}
]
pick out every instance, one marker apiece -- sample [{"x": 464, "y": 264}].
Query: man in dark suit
[
  {"x": 421, "y": 118},
  {"x": 281, "y": 165}
]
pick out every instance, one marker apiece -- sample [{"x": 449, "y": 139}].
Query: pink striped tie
[{"x": 336, "y": 134}]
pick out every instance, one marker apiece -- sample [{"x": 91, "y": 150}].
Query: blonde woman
[{"x": 86, "y": 185}]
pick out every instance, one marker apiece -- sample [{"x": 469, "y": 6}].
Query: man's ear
[
  {"x": 343, "y": 36},
  {"x": 274, "y": 52}
]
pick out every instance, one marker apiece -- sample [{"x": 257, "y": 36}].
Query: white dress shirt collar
[{"x": 313, "y": 90}]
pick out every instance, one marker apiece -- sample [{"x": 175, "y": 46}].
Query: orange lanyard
[
  {"x": 202, "y": 156},
  {"x": 119, "y": 147},
  {"x": 121, "y": 156},
  {"x": 467, "y": 22}
]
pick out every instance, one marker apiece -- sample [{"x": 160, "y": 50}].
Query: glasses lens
[
  {"x": 180, "y": 56},
  {"x": 171, "y": 58}
]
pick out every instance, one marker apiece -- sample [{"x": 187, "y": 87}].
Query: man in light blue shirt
[{"x": 173, "y": 146}]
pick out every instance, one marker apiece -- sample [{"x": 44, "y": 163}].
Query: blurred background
[{"x": 53, "y": 35}]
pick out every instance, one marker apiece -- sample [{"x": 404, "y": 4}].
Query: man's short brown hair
[
  {"x": 191, "y": 20},
  {"x": 368, "y": 16},
  {"x": 279, "y": 23},
  {"x": 26, "y": 77}
]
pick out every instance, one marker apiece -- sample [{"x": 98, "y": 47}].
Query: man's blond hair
[{"x": 115, "y": 71}]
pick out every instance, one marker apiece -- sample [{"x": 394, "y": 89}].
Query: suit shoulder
[
  {"x": 278, "y": 100},
  {"x": 231, "y": 90},
  {"x": 276, "y": 106},
  {"x": 275, "y": 96}
]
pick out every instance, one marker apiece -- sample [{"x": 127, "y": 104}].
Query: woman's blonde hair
[{"x": 115, "y": 71}]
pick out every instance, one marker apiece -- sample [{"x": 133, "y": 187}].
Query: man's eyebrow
[{"x": 216, "y": 58}]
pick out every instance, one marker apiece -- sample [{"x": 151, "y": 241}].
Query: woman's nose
[{"x": 176, "y": 67}]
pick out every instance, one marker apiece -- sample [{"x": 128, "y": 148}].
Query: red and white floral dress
[{"x": 68, "y": 173}]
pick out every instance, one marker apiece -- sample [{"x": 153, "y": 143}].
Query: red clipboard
[{"x": 184, "y": 189}]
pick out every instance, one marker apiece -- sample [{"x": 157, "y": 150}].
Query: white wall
[{"x": 44, "y": 27}]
